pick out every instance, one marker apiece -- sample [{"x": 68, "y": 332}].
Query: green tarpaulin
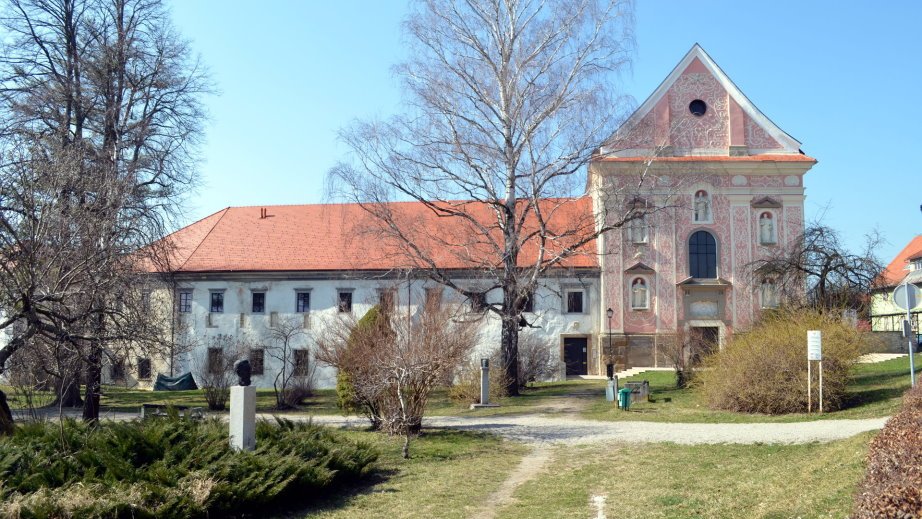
[{"x": 177, "y": 383}]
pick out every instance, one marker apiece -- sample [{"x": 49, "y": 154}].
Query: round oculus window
[{"x": 697, "y": 107}]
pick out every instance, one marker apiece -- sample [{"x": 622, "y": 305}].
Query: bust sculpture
[{"x": 242, "y": 369}]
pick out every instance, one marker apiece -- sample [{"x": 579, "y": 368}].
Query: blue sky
[{"x": 844, "y": 78}]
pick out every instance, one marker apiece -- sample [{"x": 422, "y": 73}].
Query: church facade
[{"x": 720, "y": 186}]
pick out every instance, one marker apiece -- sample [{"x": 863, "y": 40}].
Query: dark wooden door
[
  {"x": 704, "y": 340},
  {"x": 576, "y": 355}
]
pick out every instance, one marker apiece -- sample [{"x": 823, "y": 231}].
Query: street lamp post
[{"x": 611, "y": 352}]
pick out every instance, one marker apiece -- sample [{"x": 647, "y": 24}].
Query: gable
[{"x": 730, "y": 122}]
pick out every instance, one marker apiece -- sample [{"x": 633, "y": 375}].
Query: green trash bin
[{"x": 624, "y": 398}]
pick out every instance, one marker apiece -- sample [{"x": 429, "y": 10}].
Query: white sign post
[
  {"x": 906, "y": 296},
  {"x": 814, "y": 353}
]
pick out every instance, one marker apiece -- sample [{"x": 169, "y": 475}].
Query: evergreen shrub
[{"x": 171, "y": 468}]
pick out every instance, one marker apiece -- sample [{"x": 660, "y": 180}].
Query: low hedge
[
  {"x": 171, "y": 468},
  {"x": 892, "y": 485}
]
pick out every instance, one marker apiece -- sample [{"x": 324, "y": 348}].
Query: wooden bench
[{"x": 160, "y": 410}]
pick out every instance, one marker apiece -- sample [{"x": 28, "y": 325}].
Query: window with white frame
[
  {"x": 185, "y": 301},
  {"x": 217, "y": 302},
  {"x": 574, "y": 301},
  {"x": 344, "y": 301},
  {"x": 302, "y": 302},
  {"x": 640, "y": 296}
]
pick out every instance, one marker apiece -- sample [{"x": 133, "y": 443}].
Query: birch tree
[{"x": 507, "y": 102}]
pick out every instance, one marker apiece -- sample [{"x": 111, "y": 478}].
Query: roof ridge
[
  {"x": 207, "y": 234},
  {"x": 342, "y": 204}
]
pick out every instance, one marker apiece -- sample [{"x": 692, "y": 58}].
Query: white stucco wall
[{"x": 549, "y": 318}]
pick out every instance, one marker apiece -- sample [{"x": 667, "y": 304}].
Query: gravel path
[{"x": 546, "y": 430}]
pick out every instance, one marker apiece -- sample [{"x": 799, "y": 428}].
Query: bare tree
[
  {"x": 508, "y": 102},
  {"x": 214, "y": 367},
  {"x": 101, "y": 116},
  {"x": 817, "y": 270},
  {"x": 536, "y": 362},
  {"x": 398, "y": 361},
  {"x": 284, "y": 336}
]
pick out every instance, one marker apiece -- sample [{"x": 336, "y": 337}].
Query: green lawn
[
  {"x": 715, "y": 481},
  {"x": 447, "y": 476},
  {"x": 875, "y": 391}
]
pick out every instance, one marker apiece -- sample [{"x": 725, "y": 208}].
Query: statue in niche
[
  {"x": 243, "y": 370},
  {"x": 769, "y": 294},
  {"x": 639, "y": 294},
  {"x": 766, "y": 228},
  {"x": 702, "y": 207}
]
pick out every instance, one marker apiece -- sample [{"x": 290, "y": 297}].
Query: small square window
[
  {"x": 217, "y": 302},
  {"x": 257, "y": 358},
  {"x": 303, "y": 302},
  {"x": 185, "y": 302},
  {"x": 574, "y": 301},
  {"x": 144, "y": 368},
  {"x": 259, "y": 302},
  {"x": 478, "y": 301},
  {"x": 345, "y": 302}
]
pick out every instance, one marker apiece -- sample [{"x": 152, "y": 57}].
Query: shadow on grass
[{"x": 871, "y": 396}]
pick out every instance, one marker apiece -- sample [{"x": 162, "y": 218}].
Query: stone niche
[{"x": 704, "y": 304}]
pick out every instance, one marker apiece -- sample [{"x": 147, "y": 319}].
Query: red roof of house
[
  {"x": 765, "y": 157},
  {"x": 896, "y": 270},
  {"x": 335, "y": 237}
]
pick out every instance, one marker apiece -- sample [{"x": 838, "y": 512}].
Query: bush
[
  {"x": 170, "y": 468},
  {"x": 892, "y": 485},
  {"x": 765, "y": 370},
  {"x": 536, "y": 362}
]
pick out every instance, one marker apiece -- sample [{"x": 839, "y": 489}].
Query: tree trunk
[
  {"x": 68, "y": 391},
  {"x": 6, "y": 417},
  {"x": 510, "y": 354},
  {"x": 93, "y": 386}
]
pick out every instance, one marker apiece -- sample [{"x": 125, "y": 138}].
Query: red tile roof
[
  {"x": 767, "y": 157},
  {"x": 336, "y": 237},
  {"x": 896, "y": 270}
]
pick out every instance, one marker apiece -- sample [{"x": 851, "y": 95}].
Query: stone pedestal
[
  {"x": 484, "y": 386},
  {"x": 243, "y": 418}
]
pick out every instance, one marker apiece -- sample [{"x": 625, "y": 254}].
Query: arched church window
[
  {"x": 767, "y": 228},
  {"x": 702, "y": 206},
  {"x": 640, "y": 299},
  {"x": 702, "y": 255}
]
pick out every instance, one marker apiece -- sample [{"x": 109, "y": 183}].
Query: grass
[
  {"x": 448, "y": 475},
  {"x": 874, "y": 392},
  {"x": 677, "y": 481}
]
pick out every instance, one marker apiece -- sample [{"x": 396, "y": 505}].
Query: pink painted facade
[{"x": 710, "y": 161}]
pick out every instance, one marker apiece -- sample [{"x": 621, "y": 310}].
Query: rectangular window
[
  {"x": 303, "y": 302},
  {"x": 144, "y": 369},
  {"x": 302, "y": 361},
  {"x": 386, "y": 299},
  {"x": 215, "y": 361},
  {"x": 217, "y": 302},
  {"x": 345, "y": 302},
  {"x": 529, "y": 304},
  {"x": 185, "y": 301},
  {"x": 145, "y": 301},
  {"x": 478, "y": 302},
  {"x": 259, "y": 302},
  {"x": 574, "y": 301},
  {"x": 257, "y": 358},
  {"x": 433, "y": 299},
  {"x": 117, "y": 370}
]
